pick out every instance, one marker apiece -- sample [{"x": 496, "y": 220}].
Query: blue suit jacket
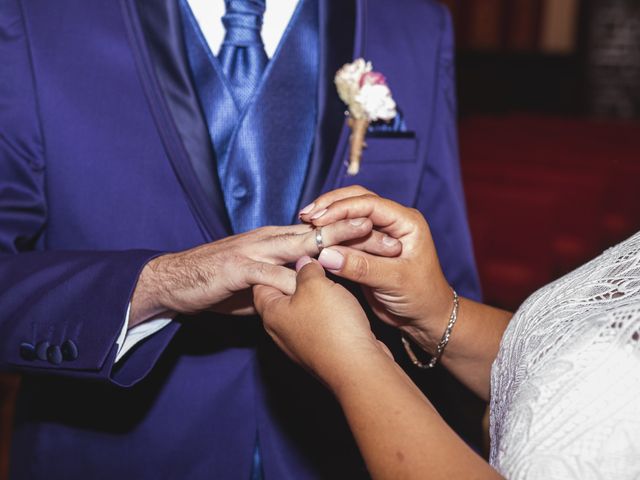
[{"x": 105, "y": 162}]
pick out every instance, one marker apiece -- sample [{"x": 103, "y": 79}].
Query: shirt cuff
[{"x": 129, "y": 338}]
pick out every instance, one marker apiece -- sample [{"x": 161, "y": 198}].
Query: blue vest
[{"x": 262, "y": 151}]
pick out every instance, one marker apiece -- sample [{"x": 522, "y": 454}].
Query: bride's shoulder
[
  {"x": 571, "y": 353},
  {"x": 581, "y": 301}
]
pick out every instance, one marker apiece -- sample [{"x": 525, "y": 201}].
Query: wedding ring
[{"x": 319, "y": 241}]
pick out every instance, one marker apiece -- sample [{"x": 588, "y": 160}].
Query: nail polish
[
  {"x": 331, "y": 259},
  {"x": 307, "y": 209},
  {"x": 302, "y": 262},
  {"x": 389, "y": 241},
  {"x": 319, "y": 214}
]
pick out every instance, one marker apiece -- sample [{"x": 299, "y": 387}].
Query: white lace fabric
[{"x": 565, "y": 386}]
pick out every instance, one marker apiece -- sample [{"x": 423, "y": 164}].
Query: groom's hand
[{"x": 217, "y": 276}]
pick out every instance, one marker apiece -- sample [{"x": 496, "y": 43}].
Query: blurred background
[{"x": 549, "y": 102}]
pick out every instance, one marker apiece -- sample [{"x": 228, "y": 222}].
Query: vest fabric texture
[{"x": 262, "y": 143}]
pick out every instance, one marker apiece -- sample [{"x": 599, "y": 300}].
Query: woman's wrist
[
  {"x": 354, "y": 369},
  {"x": 427, "y": 329}
]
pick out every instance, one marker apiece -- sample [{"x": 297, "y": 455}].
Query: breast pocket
[{"x": 389, "y": 168}]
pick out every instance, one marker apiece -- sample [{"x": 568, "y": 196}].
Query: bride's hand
[
  {"x": 408, "y": 291},
  {"x": 321, "y": 326}
]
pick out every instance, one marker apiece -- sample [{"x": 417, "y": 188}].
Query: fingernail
[
  {"x": 319, "y": 214},
  {"x": 302, "y": 261},
  {"x": 331, "y": 259},
  {"x": 356, "y": 222},
  {"x": 389, "y": 241},
  {"x": 307, "y": 209}
]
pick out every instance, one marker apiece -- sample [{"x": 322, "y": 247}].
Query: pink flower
[
  {"x": 372, "y": 78},
  {"x": 365, "y": 92}
]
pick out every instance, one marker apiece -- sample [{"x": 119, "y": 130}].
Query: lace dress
[{"x": 565, "y": 386}]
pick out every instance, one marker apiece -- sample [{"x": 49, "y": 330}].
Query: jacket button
[
  {"x": 240, "y": 192},
  {"x": 54, "y": 355},
  {"x": 41, "y": 350},
  {"x": 27, "y": 351},
  {"x": 69, "y": 350}
]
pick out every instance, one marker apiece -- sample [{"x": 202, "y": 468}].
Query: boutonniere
[{"x": 368, "y": 99}]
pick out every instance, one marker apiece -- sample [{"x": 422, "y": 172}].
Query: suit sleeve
[
  {"x": 441, "y": 197},
  {"x": 60, "y": 311}
]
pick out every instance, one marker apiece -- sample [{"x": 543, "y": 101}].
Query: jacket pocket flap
[{"x": 389, "y": 149}]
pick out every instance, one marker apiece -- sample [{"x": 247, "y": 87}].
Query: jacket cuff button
[
  {"x": 54, "y": 355},
  {"x": 27, "y": 351},
  {"x": 41, "y": 350},
  {"x": 69, "y": 350}
]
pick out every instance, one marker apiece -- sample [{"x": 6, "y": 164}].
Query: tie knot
[{"x": 243, "y": 22}]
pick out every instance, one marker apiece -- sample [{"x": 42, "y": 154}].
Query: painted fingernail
[
  {"x": 331, "y": 259},
  {"x": 307, "y": 209},
  {"x": 356, "y": 222},
  {"x": 319, "y": 214},
  {"x": 302, "y": 261},
  {"x": 389, "y": 241}
]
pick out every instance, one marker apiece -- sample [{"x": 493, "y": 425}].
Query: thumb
[
  {"x": 309, "y": 272},
  {"x": 360, "y": 267}
]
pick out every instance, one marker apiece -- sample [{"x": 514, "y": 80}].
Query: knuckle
[
  {"x": 360, "y": 267},
  {"x": 290, "y": 240},
  {"x": 416, "y": 215},
  {"x": 265, "y": 232},
  {"x": 369, "y": 196},
  {"x": 359, "y": 188},
  {"x": 260, "y": 270}
]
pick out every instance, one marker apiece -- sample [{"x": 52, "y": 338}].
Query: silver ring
[{"x": 319, "y": 241}]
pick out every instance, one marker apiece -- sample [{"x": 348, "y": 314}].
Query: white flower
[
  {"x": 365, "y": 92},
  {"x": 368, "y": 98},
  {"x": 348, "y": 79},
  {"x": 376, "y": 102}
]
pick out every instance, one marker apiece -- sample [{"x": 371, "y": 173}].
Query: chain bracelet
[{"x": 443, "y": 341}]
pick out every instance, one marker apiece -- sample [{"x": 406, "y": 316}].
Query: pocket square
[{"x": 396, "y": 128}]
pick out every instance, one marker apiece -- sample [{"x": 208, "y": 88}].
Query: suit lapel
[
  {"x": 342, "y": 33},
  {"x": 156, "y": 33}
]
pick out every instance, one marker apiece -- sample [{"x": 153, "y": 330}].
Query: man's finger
[
  {"x": 339, "y": 232},
  {"x": 284, "y": 248},
  {"x": 360, "y": 267},
  {"x": 326, "y": 199},
  {"x": 281, "y": 278},
  {"x": 266, "y": 298}
]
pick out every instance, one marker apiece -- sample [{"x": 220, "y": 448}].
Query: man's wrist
[{"x": 147, "y": 299}]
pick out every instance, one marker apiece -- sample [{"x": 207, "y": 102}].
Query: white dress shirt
[{"x": 209, "y": 13}]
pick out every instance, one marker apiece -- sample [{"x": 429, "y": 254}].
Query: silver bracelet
[{"x": 443, "y": 341}]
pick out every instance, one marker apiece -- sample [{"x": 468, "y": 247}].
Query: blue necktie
[
  {"x": 262, "y": 121},
  {"x": 242, "y": 54}
]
